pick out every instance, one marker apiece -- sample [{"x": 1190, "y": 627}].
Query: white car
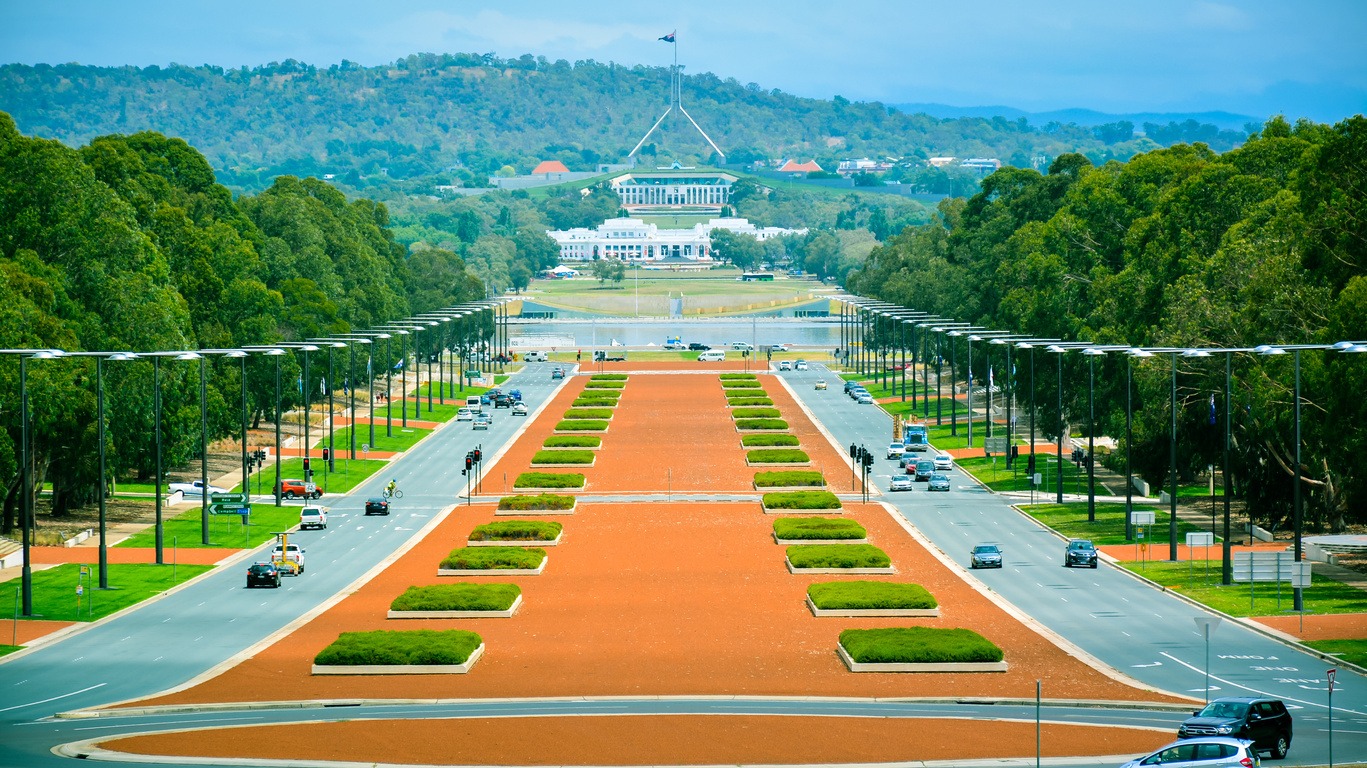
[
  {"x": 895, "y": 450},
  {"x": 800, "y": 365},
  {"x": 901, "y": 483},
  {"x": 313, "y": 517},
  {"x": 194, "y": 489},
  {"x": 943, "y": 462},
  {"x": 465, "y": 414},
  {"x": 482, "y": 422},
  {"x": 519, "y": 409},
  {"x": 784, "y": 365}
]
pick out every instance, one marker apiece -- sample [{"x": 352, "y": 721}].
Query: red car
[{"x": 292, "y": 488}]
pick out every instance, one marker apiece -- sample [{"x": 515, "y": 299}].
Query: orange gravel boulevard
[{"x": 669, "y": 598}]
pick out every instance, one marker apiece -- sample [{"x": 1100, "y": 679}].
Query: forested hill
[{"x": 441, "y": 119}]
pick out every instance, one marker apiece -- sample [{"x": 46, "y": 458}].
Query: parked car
[
  {"x": 557, "y": 373},
  {"x": 263, "y": 575},
  {"x": 1209, "y": 752},
  {"x": 1079, "y": 552},
  {"x": 851, "y": 385},
  {"x": 519, "y": 409},
  {"x": 194, "y": 489},
  {"x": 921, "y": 470},
  {"x": 901, "y": 483},
  {"x": 313, "y": 517},
  {"x": 482, "y": 421},
  {"x": 985, "y": 556},
  {"x": 694, "y": 346},
  {"x": 784, "y": 365},
  {"x": 1265, "y": 722},
  {"x": 800, "y": 365},
  {"x": 895, "y": 450},
  {"x": 821, "y": 384},
  {"x": 864, "y": 399},
  {"x": 294, "y": 487},
  {"x": 377, "y": 505},
  {"x": 937, "y": 482},
  {"x": 465, "y": 414},
  {"x": 943, "y": 462}
]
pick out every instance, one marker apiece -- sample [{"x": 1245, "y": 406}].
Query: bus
[{"x": 756, "y": 277}]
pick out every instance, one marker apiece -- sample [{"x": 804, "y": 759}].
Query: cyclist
[{"x": 389, "y": 489}]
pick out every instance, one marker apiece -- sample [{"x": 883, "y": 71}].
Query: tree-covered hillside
[{"x": 430, "y": 119}]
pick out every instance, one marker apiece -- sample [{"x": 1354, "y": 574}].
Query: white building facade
[{"x": 634, "y": 240}]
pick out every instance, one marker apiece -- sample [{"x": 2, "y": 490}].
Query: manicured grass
[
  {"x": 457, "y": 597},
  {"x": 608, "y": 377},
  {"x": 997, "y": 477},
  {"x": 918, "y": 645},
  {"x": 818, "y": 528},
  {"x": 541, "y": 501},
  {"x": 5, "y": 650},
  {"x": 563, "y": 457},
  {"x": 439, "y": 412},
  {"x": 741, "y": 385},
  {"x": 778, "y": 456},
  {"x": 837, "y": 556},
  {"x": 1351, "y": 651},
  {"x": 593, "y": 402},
  {"x": 549, "y": 480},
  {"x": 745, "y": 402},
  {"x": 493, "y": 558},
  {"x": 400, "y": 648},
  {"x": 518, "y": 530},
  {"x": 801, "y": 500},
  {"x": 1070, "y": 519},
  {"x": 572, "y": 441},
  {"x": 581, "y": 425},
  {"x": 604, "y": 384},
  {"x": 780, "y": 479},
  {"x": 761, "y": 424},
  {"x": 1202, "y": 584},
  {"x": 588, "y": 413},
  {"x": 401, "y": 441},
  {"x": 602, "y": 394},
  {"x": 349, "y": 473},
  {"x": 763, "y": 441},
  {"x": 226, "y": 531},
  {"x": 867, "y": 595},
  {"x": 738, "y": 377},
  {"x": 54, "y": 589},
  {"x": 755, "y": 413}
]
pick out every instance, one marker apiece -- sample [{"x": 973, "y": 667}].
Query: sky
[{"x": 1301, "y": 58}]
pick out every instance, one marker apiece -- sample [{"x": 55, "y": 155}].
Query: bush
[
  {"x": 760, "y": 441},
  {"x": 837, "y": 556},
  {"x": 395, "y": 648},
  {"x": 918, "y": 645},
  {"x": 755, "y": 413},
  {"x": 748, "y": 401},
  {"x": 608, "y": 377},
  {"x": 801, "y": 500},
  {"x": 549, "y": 480},
  {"x": 761, "y": 424},
  {"x": 738, "y": 377},
  {"x": 818, "y": 528},
  {"x": 588, "y": 413},
  {"x": 604, "y": 384},
  {"x": 783, "y": 478},
  {"x": 493, "y": 558},
  {"x": 519, "y": 530},
  {"x": 778, "y": 456},
  {"x": 869, "y": 595},
  {"x": 563, "y": 457},
  {"x": 540, "y": 501},
  {"x": 736, "y": 385},
  {"x": 593, "y": 402},
  {"x": 582, "y": 425},
  {"x": 572, "y": 441},
  {"x": 457, "y": 597},
  {"x": 602, "y": 394}
]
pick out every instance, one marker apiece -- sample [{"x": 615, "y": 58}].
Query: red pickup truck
[{"x": 292, "y": 488}]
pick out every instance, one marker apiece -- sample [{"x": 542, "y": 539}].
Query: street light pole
[{"x": 26, "y": 473}]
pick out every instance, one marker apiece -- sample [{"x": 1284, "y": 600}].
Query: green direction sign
[
  {"x": 229, "y": 509},
  {"x": 235, "y": 498}
]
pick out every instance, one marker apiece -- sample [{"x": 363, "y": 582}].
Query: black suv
[
  {"x": 377, "y": 505},
  {"x": 1265, "y": 722},
  {"x": 263, "y": 575},
  {"x": 503, "y": 401},
  {"x": 1079, "y": 552},
  {"x": 695, "y": 346}
]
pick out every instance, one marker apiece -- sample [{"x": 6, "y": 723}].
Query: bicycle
[{"x": 394, "y": 494}]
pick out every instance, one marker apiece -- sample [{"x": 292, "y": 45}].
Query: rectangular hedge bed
[
  {"x": 563, "y": 458},
  {"x": 838, "y": 558},
  {"x": 593, "y": 402},
  {"x": 779, "y": 502},
  {"x": 768, "y": 441},
  {"x": 536, "y": 533},
  {"x": 600, "y": 394},
  {"x": 740, "y": 385},
  {"x": 590, "y": 442},
  {"x": 604, "y": 384},
  {"x": 755, "y": 413},
  {"x": 748, "y": 402},
  {"x": 763, "y": 456},
  {"x": 457, "y": 601},
  {"x": 588, "y": 413},
  {"x": 797, "y": 478},
  {"x": 811, "y": 530},
  {"x": 608, "y": 377},
  {"x": 919, "y": 649},
  {"x": 493, "y": 561},
  {"x": 551, "y": 480},
  {"x": 581, "y": 425},
  {"x": 760, "y": 425},
  {"x": 409, "y": 652},
  {"x": 870, "y": 598},
  {"x": 738, "y": 377}
]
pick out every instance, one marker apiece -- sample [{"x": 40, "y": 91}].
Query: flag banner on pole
[
  {"x": 1212, "y": 410},
  {"x": 301, "y": 386},
  {"x": 669, "y": 38},
  {"x": 322, "y": 386}
]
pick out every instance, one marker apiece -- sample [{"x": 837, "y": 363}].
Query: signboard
[
  {"x": 1300, "y": 574},
  {"x": 1201, "y": 539},
  {"x": 233, "y": 498},
  {"x": 1142, "y": 517},
  {"x": 229, "y": 509},
  {"x": 1264, "y": 566},
  {"x": 995, "y": 444}
]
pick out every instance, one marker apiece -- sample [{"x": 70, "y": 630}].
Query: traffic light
[
  {"x": 1030, "y": 463},
  {"x": 868, "y": 459},
  {"x": 306, "y": 463},
  {"x": 854, "y": 450},
  {"x": 478, "y": 456},
  {"x": 327, "y": 454},
  {"x": 469, "y": 462}
]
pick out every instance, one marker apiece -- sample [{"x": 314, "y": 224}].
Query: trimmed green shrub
[
  {"x": 593, "y": 402},
  {"x": 738, "y": 377},
  {"x": 588, "y": 413},
  {"x": 789, "y": 477},
  {"x": 755, "y": 413},
  {"x": 602, "y": 394},
  {"x": 493, "y": 558},
  {"x": 398, "y": 648},
  {"x": 818, "y": 528},
  {"x": 761, "y": 441},
  {"x": 748, "y": 401},
  {"x": 778, "y": 456},
  {"x": 604, "y": 384},
  {"x": 918, "y": 645},
  {"x": 608, "y": 377},
  {"x": 457, "y": 597},
  {"x": 801, "y": 500},
  {"x": 742, "y": 385},
  {"x": 538, "y": 502},
  {"x": 837, "y": 556},
  {"x": 582, "y": 425},
  {"x": 869, "y": 595},
  {"x": 761, "y": 424},
  {"x": 549, "y": 480},
  {"x": 572, "y": 441},
  {"x": 563, "y": 457},
  {"x": 519, "y": 530}
]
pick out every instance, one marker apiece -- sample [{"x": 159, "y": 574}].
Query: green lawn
[
  {"x": 8, "y": 649},
  {"x": 227, "y": 531},
  {"x": 993, "y": 473},
  {"x": 439, "y": 412},
  {"x": 1070, "y": 519},
  {"x": 348, "y": 475},
  {"x": 1352, "y": 651},
  {"x": 401, "y": 441},
  {"x": 1194, "y": 581},
  {"x": 54, "y": 589}
]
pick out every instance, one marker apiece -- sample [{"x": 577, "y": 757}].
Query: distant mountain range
[{"x": 1082, "y": 117}]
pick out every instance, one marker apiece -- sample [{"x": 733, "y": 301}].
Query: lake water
[{"x": 645, "y": 332}]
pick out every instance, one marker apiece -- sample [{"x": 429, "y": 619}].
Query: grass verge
[
  {"x": 1202, "y": 584},
  {"x": 1070, "y": 519},
  {"x": 225, "y": 531},
  {"x": 54, "y": 589}
]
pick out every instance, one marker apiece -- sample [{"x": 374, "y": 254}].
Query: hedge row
[
  {"x": 396, "y": 648},
  {"x": 520, "y": 530},
  {"x": 493, "y": 558},
  {"x": 837, "y": 556},
  {"x": 801, "y": 500},
  {"x": 869, "y": 595},
  {"x": 563, "y": 457},
  {"x": 549, "y": 480},
  {"x": 588, "y": 413},
  {"x": 604, "y": 384},
  {"x": 608, "y": 377},
  {"x": 602, "y": 394},
  {"x": 818, "y": 528},
  {"x": 457, "y": 597},
  {"x": 755, "y": 413},
  {"x": 582, "y": 425},
  {"x": 761, "y": 424},
  {"x": 572, "y": 441},
  {"x": 593, "y": 402},
  {"x": 765, "y": 441},
  {"x": 738, "y": 377},
  {"x": 778, "y": 456},
  {"x": 918, "y": 645},
  {"x": 737, "y": 385},
  {"x": 789, "y": 477},
  {"x": 748, "y": 401}
]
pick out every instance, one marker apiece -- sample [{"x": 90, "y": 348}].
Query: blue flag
[{"x": 1212, "y": 410}]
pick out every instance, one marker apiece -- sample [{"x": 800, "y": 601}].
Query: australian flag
[{"x": 669, "y": 38}]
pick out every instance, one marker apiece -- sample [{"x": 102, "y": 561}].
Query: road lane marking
[{"x": 54, "y": 698}]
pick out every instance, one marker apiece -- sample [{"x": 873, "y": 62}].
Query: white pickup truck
[
  {"x": 194, "y": 489},
  {"x": 289, "y": 557},
  {"x": 313, "y": 517}
]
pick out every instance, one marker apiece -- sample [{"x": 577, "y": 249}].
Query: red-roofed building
[
  {"x": 796, "y": 167},
  {"x": 548, "y": 167}
]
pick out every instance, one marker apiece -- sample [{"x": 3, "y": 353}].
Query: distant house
[
  {"x": 986, "y": 164},
  {"x": 550, "y": 169},
  {"x": 862, "y": 165},
  {"x": 796, "y": 168},
  {"x": 940, "y": 162}
]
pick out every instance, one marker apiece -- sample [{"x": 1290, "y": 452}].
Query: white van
[
  {"x": 712, "y": 356},
  {"x": 535, "y": 356}
]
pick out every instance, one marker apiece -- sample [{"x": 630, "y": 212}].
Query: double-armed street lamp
[
  {"x": 1060, "y": 349},
  {"x": 972, "y": 337},
  {"x": 25, "y": 470}
]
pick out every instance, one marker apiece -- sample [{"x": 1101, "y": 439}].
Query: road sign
[
  {"x": 229, "y": 509},
  {"x": 995, "y": 444},
  {"x": 1142, "y": 517},
  {"x": 1330, "y": 674},
  {"x": 237, "y": 498}
]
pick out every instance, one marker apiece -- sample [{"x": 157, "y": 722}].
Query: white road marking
[{"x": 54, "y": 698}]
